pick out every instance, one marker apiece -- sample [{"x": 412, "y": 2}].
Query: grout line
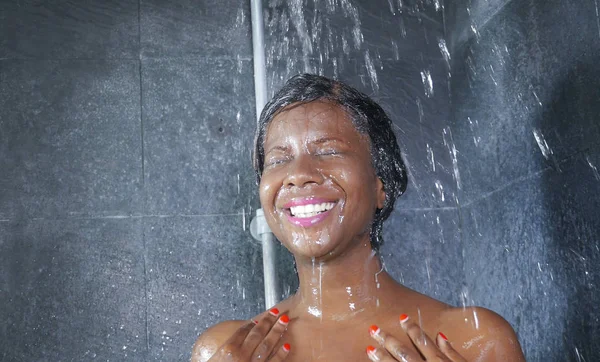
[
  {"x": 144, "y": 247},
  {"x": 444, "y": 208},
  {"x": 507, "y": 185},
  {"x": 123, "y": 217},
  {"x": 189, "y": 56}
]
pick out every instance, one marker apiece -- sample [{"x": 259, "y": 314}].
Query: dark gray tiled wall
[
  {"x": 110, "y": 150},
  {"x": 87, "y": 29},
  {"x": 72, "y": 290},
  {"x": 526, "y": 99},
  {"x": 422, "y": 250},
  {"x": 198, "y": 132},
  {"x": 201, "y": 270},
  {"x": 110, "y": 128},
  {"x": 207, "y": 28},
  {"x": 69, "y": 138}
]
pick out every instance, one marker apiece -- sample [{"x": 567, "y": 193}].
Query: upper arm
[
  {"x": 210, "y": 340},
  {"x": 483, "y": 335}
]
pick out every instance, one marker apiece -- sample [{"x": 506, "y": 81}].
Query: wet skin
[{"x": 313, "y": 152}]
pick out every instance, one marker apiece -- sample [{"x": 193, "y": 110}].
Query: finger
[
  {"x": 281, "y": 353},
  {"x": 379, "y": 354},
  {"x": 424, "y": 344},
  {"x": 448, "y": 350},
  {"x": 240, "y": 335},
  {"x": 394, "y": 347},
  {"x": 260, "y": 330},
  {"x": 231, "y": 347},
  {"x": 265, "y": 347}
]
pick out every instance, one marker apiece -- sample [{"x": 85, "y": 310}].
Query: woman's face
[{"x": 319, "y": 190}]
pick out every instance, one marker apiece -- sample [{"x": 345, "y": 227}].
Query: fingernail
[
  {"x": 375, "y": 333},
  {"x": 274, "y": 312},
  {"x": 287, "y": 347},
  {"x": 371, "y": 353},
  {"x": 255, "y": 321},
  {"x": 284, "y": 319},
  {"x": 403, "y": 318},
  {"x": 443, "y": 336},
  {"x": 374, "y": 330}
]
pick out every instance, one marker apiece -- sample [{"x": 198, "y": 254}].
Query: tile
[
  {"x": 201, "y": 271},
  {"x": 89, "y": 29},
  {"x": 72, "y": 290},
  {"x": 207, "y": 28},
  {"x": 69, "y": 138},
  {"x": 531, "y": 253},
  {"x": 523, "y": 101},
  {"x": 350, "y": 29},
  {"x": 423, "y": 251},
  {"x": 199, "y": 123}
]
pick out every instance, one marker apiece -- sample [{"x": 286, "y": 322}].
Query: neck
[{"x": 346, "y": 287}]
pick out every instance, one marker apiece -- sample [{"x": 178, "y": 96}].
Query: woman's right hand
[{"x": 256, "y": 341}]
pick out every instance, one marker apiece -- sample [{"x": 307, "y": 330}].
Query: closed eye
[
  {"x": 275, "y": 161},
  {"x": 327, "y": 153}
]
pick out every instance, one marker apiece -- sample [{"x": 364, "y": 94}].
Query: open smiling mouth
[
  {"x": 309, "y": 214},
  {"x": 306, "y": 211}
]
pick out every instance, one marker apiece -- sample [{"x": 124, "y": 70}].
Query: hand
[
  {"x": 393, "y": 350},
  {"x": 256, "y": 341}
]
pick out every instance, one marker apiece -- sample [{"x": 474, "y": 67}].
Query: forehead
[{"x": 312, "y": 119}]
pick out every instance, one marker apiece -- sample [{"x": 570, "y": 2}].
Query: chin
[{"x": 305, "y": 245}]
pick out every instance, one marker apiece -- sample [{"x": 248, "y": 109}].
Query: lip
[{"x": 309, "y": 221}]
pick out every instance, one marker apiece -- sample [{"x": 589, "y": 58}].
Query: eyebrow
[
  {"x": 276, "y": 148},
  {"x": 325, "y": 139},
  {"x": 317, "y": 141}
]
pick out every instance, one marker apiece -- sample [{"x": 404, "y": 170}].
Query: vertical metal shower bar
[{"x": 260, "y": 95}]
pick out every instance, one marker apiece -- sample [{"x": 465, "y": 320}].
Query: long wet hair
[{"x": 368, "y": 118}]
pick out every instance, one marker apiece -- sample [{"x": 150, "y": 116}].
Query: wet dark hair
[{"x": 368, "y": 118}]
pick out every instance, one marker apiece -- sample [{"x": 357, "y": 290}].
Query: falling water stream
[{"x": 337, "y": 38}]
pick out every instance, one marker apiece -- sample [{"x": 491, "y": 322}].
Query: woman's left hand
[{"x": 391, "y": 349}]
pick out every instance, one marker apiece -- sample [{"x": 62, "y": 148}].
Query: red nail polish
[
  {"x": 443, "y": 336},
  {"x": 374, "y": 330},
  {"x": 284, "y": 319},
  {"x": 403, "y": 318},
  {"x": 274, "y": 312},
  {"x": 287, "y": 347},
  {"x": 371, "y": 350},
  {"x": 255, "y": 321}
]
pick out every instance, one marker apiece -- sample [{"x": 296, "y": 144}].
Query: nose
[{"x": 301, "y": 171}]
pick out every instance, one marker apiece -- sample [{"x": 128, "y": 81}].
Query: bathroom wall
[
  {"x": 525, "y": 113},
  {"x": 126, "y": 187},
  {"x": 125, "y": 182}
]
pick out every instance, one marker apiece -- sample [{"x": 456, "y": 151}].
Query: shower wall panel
[
  {"x": 126, "y": 187},
  {"x": 526, "y": 99}
]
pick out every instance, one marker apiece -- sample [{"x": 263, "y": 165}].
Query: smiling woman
[{"x": 329, "y": 170}]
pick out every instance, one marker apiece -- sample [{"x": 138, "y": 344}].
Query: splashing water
[
  {"x": 593, "y": 167},
  {"x": 449, "y": 143},
  {"x": 372, "y": 72},
  {"x": 444, "y": 50},
  {"x": 597, "y": 17},
  {"x": 542, "y": 144},
  {"x": 427, "y": 83}
]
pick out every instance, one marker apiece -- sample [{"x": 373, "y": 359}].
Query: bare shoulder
[
  {"x": 480, "y": 334},
  {"x": 210, "y": 340}
]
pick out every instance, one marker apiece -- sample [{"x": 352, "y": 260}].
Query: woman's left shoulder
[{"x": 480, "y": 334}]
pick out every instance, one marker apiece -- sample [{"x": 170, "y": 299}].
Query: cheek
[{"x": 267, "y": 190}]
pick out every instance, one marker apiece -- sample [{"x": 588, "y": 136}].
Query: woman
[{"x": 329, "y": 171}]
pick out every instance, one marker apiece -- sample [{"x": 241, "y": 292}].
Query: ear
[{"x": 380, "y": 194}]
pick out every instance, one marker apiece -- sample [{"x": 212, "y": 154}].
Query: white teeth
[{"x": 311, "y": 210}]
